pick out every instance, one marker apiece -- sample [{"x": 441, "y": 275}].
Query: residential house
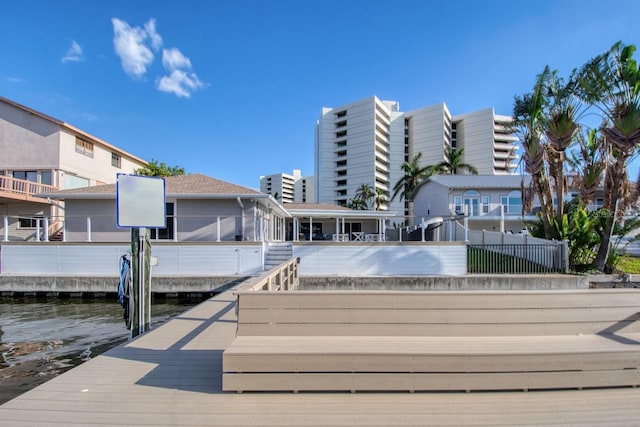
[
  {"x": 489, "y": 202},
  {"x": 41, "y": 154}
]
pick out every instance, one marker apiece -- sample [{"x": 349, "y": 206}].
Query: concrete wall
[
  {"x": 449, "y": 283},
  {"x": 27, "y": 142},
  {"x": 109, "y": 284}
]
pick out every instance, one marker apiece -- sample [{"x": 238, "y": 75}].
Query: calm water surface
[{"x": 41, "y": 338}]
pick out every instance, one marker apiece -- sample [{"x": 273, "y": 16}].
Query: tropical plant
[
  {"x": 380, "y": 198},
  {"x": 357, "y": 204},
  {"x": 529, "y": 121},
  {"x": 611, "y": 82},
  {"x": 590, "y": 166},
  {"x": 153, "y": 168},
  {"x": 454, "y": 163},
  {"x": 562, "y": 114},
  {"x": 414, "y": 174},
  {"x": 365, "y": 194}
]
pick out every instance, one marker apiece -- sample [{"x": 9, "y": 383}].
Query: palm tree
[
  {"x": 529, "y": 121},
  {"x": 357, "y": 204},
  {"x": 611, "y": 82},
  {"x": 590, "y": 166},
  {"x": 561, "y": 127},
  {"x": 365, "y": 194},
  {"x": 414, "y": 174},
  {"x": 380, "y": 198},
  {"x": 454, "y": 163}
]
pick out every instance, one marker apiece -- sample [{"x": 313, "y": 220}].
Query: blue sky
[{"x": 233, "y": 89}]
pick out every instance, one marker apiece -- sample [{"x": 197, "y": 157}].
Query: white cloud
[
  {"x": 156, "y": 40},
  {"x": 12, "y": 79},
  {"x": 181, "y": 83},
  {"x": 136, "y": 46},
  {"x": 74, "y": 54},
  {"x": 173, "y": 59},
  {"x": 130, "y": 44}
]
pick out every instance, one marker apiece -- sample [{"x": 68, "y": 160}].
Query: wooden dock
[{"x": 173, "y": 374}]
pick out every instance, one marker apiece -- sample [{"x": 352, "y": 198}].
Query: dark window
[
  {"x": 166, "y": 233},
  {"x": 116, "y": 160}
]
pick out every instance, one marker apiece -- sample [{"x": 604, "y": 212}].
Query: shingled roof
[{"x": 195, "y": 184}]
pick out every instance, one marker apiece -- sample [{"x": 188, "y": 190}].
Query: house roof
[
  {"x": 194, "y": 185},
  {"x": 480, "y": 181},
  {"x": 311, "y": 206},
  {"x": 325, "y": 210},
  {"x": 71, "y": 129},
  {"x": 471, "y": 182}
]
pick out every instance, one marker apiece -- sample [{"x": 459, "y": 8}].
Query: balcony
[{"x": 20, "y": 189}]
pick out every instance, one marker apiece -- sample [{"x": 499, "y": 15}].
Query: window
[
  {"x": 26, "y": 175},
  {"x": 84, "y": 147},
  {"x": 341, "y": 113},
  {"x": 471, "y": 199},
  {"x": 512, "y": 203},
  {"x": 45, "y": 178},
  {"x": 341, "y": 134},
  {"x": 29, "y": 222},
  {"x": 116, "y": 160},
  {"x": 166, "y": 233},
  {"x": 457, "y": 205},
  {"x": 485, "y": 205}
]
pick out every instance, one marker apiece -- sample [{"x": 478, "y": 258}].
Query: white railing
[
  {"x": 103, "y": 228},
  {"x": 22, "y": 189}
]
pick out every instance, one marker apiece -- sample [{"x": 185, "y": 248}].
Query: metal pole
[
  {"x": 141, "y": 298},
  {"x": 5, "y": 221}
]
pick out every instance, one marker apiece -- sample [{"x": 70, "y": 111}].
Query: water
[{"x": 42, "y": 338}]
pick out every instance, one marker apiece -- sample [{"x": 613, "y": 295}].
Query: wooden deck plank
[{"x": 135, "y": 373}]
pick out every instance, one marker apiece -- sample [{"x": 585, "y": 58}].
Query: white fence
[
  {"x": 103, "y": 259},
  {"x": 551, "y": 254},
  {"x": 406, "y": 259}
]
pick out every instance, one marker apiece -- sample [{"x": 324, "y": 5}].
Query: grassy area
[
  {"x": 629, "y": 264},
  {"x": 489, "y": 262}
]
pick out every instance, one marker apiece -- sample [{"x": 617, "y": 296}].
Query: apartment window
[
  {"x": 84, "y": 147},
  {"x": 341, "y": 113},
  {"x": 341, "y": 183},
  {"x": 485, "y": 205},
  {"x": 116, "y": 160},
  {"x": 341, "y": 124},
  {"x": 341, "y": 134},
  {"x": 341, "y": 163}
]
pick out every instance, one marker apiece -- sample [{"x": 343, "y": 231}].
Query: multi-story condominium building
[
  {"x": 40, "y": 154},
  {"x": 367, "y": 141},
  {"x": 288, "y": 188}
]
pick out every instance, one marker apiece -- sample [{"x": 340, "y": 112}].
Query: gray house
[
  {"x": 198, "y": 209},
  {"x": 490, "y": 202}
]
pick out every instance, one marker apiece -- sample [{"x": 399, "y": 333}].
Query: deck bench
[{"x": 434, "y": 341}]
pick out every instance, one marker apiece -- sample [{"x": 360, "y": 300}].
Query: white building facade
[
  {"x": 367, "y": 141},
  {"x": 286, "y": 188}
]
